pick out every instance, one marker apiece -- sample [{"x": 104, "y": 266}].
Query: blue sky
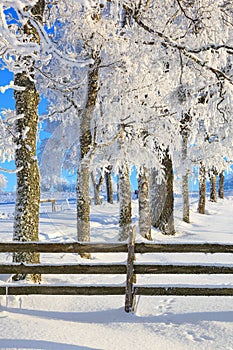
[{"x": 6, "y": 99}]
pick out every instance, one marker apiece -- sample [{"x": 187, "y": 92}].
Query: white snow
[{"x": 99, "y": 322}]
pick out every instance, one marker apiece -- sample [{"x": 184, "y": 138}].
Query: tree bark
[
  {"x": 96, "y": 187},
  {"x": 162, "y": 199},
  {"x": 83, "y": 172},
  {"x": 185, "y": 188},
  {"x": 144, "y": 204},
  {"x": 124, "y": 203},
  {"x": 185, "y": 122},
  {"x": 26, "y": 220},
  {"x": 213, "y": 186},
  {"x": 221, "y": 185},
  {"x": 108, "y": 181},
  {"x": 202, "y": 189}
]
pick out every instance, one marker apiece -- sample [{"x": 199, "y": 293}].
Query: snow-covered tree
[
  {"x": 25, "y": 45},
  {"x": 151, "y": 67},
  {"x": 27, "y": 204}
]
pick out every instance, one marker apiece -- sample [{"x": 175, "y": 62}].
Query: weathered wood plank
[
  {"x": 47, "y": 200},
  {"x": 112, "y": 290},
  {"x": 130, "y": 271},
  {"x": 77, "y": 247},
  {"x": 50, "y": 200},
  {"x": 183, "y": 248},
  {"x": 74, "y": 247},
  {"x": 15, "y": 268},
  {"x": 61, "y": 290},
  {"x": 183, "y": 291},
  {"x": 182, "y": 269}
]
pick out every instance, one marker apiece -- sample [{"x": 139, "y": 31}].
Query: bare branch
[{"x": 10, "y": 171}]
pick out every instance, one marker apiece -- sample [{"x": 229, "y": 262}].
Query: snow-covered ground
[{"x": 99, "y": 322}]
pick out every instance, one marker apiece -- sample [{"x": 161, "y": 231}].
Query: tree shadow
[
  {"x": 119, "y": 316},
  {"x": 39, "y": 344}
]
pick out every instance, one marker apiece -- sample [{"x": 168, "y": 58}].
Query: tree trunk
[
  {"x": 118, "y": 190},
  {"x": 83, "y": 205},
  {"x": 26, "y": 220},
  {"x": 221, "y": 185},
  {"x": 213, "y": 186},
  {"x": 185, "y": 124},
  {"x": 162, "y": 199},
  {"x": 108, "y": 181},
  {"x": 144, "y": 204},
  {"x": 202, "y": 189},
  {"x": 83, "y": 172},
  {"x": 185, "y": 188},
  {"x": 96, "y": 187},
  {"x": 125, "y": 203}
]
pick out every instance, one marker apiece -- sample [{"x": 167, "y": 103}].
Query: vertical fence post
[
  {"x": 130, "y": 278},
  {"x": 53, "y": 205}
]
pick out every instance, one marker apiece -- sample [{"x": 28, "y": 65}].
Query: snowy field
[{"x": 99, "y": 322}]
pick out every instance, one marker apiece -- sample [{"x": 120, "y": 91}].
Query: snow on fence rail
[
  {"x": 49, "y": 200},
  {"x": 130, "y": 269}
]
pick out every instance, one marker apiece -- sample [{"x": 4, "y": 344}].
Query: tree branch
[
  {"x": 189, "y": 53},
  {"x": 185, "y": 14},
  {"x": 14, "y": 171}
]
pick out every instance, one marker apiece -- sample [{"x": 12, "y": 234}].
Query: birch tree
[
  {"x": 144, "y": 203},
  {"x": 221, "y": 185},
  {"x": 83, "y": 173},
  {"x": 96, "y": 184},
  {"x": 109, "y": 187},
  {"x": 162, "y": 199},
  {"x": 125, "y": 211},
  {"x": 27, "y": 204},
  {"x": 185, "y": 133},
  {"x": 213, "y": 185},
  {"x": 202, "y": 189}
]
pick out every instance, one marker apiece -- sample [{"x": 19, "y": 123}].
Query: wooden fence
[
  {"x": 131, "y": 268},
  {"x": 50, "y": 200}
]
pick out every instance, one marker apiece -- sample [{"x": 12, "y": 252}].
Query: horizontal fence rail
[
  {"x": 183, "y": 291},
  {"x": 112, "y": 269},
  {"x": 114, "y": 247},
  {"x": 182, "y": 269},
  {"x": 112, "y": 290},
  {"x": 63, "y": 269},
  {"x": 49, "y": 200},
  {"x": 130, "y": 268},
  {"x": 61, "y": 290},
  {"x": 75, "y": 247}
]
